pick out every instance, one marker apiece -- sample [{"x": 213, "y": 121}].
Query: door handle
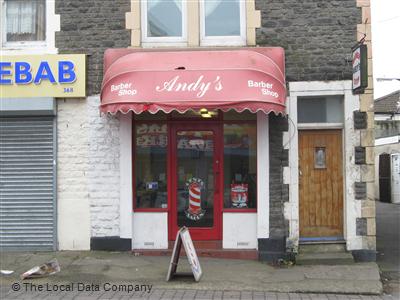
[
  {"x": 216, "y": 167},
  {"x": 216, "y": 176}
]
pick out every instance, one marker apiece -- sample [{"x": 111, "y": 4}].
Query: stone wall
[
  {"x": 90, "y": 27},
  {"x": 279, "y": 192},
  {"x": 274, "y": 247},
  {"x": 366, "y": 226},
  {"x": 317, "y": 36}
]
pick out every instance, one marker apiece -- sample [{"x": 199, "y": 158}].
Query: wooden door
[{"x": 320, "y": 183}]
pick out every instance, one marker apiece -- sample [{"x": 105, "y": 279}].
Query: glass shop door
[{"x": 196, "y": 180}]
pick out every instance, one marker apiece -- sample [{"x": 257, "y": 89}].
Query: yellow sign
[{"x": 28, "y": 76}]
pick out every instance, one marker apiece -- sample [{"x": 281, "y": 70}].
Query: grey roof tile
[{"x": 388, "y": 104}]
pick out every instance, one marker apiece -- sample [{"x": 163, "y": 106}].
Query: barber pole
[
  {"x": 194, "y": 198},
  {"x": 194, "y": 211}
]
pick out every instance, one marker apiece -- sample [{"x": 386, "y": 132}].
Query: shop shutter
[{"x": 27, "y": 180}]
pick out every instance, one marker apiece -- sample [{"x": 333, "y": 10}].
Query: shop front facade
[
  {"x": 198, "y": 152},
  {"x": 277, "y": 151},
  {"x": 32, "y": 76}
]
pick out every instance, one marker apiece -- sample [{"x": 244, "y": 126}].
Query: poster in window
[
  {"x": 239, "y": 195},
  {"x": 194, "y": 211}
]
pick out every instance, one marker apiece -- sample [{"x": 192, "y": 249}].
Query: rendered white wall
[
  {"x": 125, "y": 202},
  {"x": 73, "y": 213},
  {"x": 352, "y": 208},
  {"x": 291, "y": 173},
  {"x": 239, "y": 231},
  {"x": 262, "y": 175},
  {"x": 150, "y": 230}
]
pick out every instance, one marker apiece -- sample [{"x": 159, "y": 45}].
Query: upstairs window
[
  {"x": 25, "y": 21},
  {"x": 219, "y": 23},
  {"x": 163, "y": 21},
  {"x": 222, "y": 22}
]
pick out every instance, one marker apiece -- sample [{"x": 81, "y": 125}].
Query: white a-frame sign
[{"x": 183, "y": 237}]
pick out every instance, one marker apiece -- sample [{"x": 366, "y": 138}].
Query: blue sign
[{"x": 21, "y": 72}]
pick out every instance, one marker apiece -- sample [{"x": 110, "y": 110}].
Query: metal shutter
[{"x": 27, "y": 184}]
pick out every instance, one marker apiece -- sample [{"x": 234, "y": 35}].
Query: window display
[
  {"x": 151, "y": 165},
  {"x": 240, "y": 165}
]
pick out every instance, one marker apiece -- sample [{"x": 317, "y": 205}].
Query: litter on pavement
[
  {"x": 6, "y": 272},
  {"x": 47, "y": 269}
]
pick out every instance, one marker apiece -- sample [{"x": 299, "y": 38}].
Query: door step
[
  {"x": 248, "y": 254},
  {"x": 323, "y": 254},
  {"x": 328, "y": 258},
  {"x": 203, "y": 249},
  {"x": 201, "y": 244},
  {"x": 322, "y": 247}
]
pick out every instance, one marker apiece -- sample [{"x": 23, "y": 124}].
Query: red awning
[{"x": 247, "y": 78}]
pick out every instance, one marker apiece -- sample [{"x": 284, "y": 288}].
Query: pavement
[
  {"x": 123, "y": 275},
  {"x": 118, "y": 275},
  {"x": 388, "y": 245}
]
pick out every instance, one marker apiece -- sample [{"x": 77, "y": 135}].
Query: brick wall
[
  {"x": 72, "y": 165},
  {"x": 103, "y": 170},
  {"x": 90, "y": 27},
  {"x": 317, "y": 36},
  {"x": 88, "y": 184}
]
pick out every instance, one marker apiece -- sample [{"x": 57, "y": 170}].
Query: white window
[
  {"x": 24, "y": 22},
  {"x": 327, "y": 109},
  {"x": 164, "y": 21},
  {"x": 222, "y": 22}
]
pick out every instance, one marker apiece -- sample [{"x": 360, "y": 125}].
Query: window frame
[
  {"x": 167, "y": 40},
  {"x": 135, "y": 207},
  {"x": 230, "y": 209},
  {"x": 321, "y": 124},
  {"x": 239, "y": 40},
  {"x": 219, "y": 121},
  {"x": 22, "y": 44}
]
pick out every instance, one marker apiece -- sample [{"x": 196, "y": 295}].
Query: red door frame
[{"x": 215, "y": 232}]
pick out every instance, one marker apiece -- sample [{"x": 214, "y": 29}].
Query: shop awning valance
[{"x": 244, "y": 79}]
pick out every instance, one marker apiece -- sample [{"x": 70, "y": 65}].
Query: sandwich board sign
[{"x": 183, "y": 237}]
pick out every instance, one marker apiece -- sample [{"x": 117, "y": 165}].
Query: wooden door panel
[{"x": 320, "y": 183}]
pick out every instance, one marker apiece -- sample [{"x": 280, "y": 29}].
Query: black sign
[{"x": 360, "y": 68}]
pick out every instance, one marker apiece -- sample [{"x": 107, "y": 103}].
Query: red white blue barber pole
[{"x": 194, "y": 211}]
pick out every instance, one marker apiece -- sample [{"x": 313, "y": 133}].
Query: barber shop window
[
  {"x": 163, "y": 21},
  {"x": 222, "y": 22},
  {"x": 240, "y": 165},
  {"x": 328, "y": 109},
  {"x": 25, "y": 21},
  {"x": 150, "y": 157}
]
